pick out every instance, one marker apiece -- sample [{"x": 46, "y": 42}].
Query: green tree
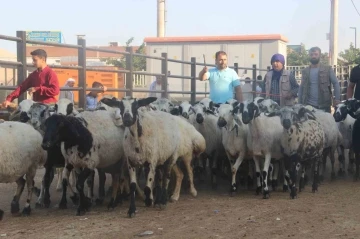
[
  {"x": 139, "y": 62},
  {"x": 350, "y": 56},
  {"x": 301, "y": 58}
]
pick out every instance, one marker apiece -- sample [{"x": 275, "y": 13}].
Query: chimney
[
  {"x": 113, "y": 44},
  {"x": 160, "y": 18}
]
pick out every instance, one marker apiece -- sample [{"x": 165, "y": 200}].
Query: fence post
[
  {"x": 130, "y": 75},
  {"x": 82, "y": 72},
  {"x": 21, "y": 57},
  {"x": 193, "y": 80},
  {"x": 254, "y": 81},
  {"x": 236, "y": 68},
  {"x": 164, "y": 70}
]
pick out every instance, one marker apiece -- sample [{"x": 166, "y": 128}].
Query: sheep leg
[
  {"x": 30, "y": 185},
  {"x": 274, "y": 182},
  {"x": 271, "y": 171},
  {"x": 90, "y": 185},
  {"x": 266, "y": 193},
  {"x": 357, "y": 163},
  {"x": 1, "y": 214},
  {"x": 234, "y": 169},
  {"x": 115, "y": 185},
  {"x": 187, "y": 162},
  {"x": 15, "y": 207},
  {"x": 149, "y": 185},
  {"x": 59, "y": 179},
  {"x": 258, "y": 175},
  {"x": 342, "y": 159},
  {"x": 65, "y": 183},
  {"x": 302, "y": 178},
  {"x": 102, "y": 180},
  {"x": 323, "y": 165},
  {"x": 46, "y": 182},
  {"x": 214, "y": 159},
  {"x": 351, "y": 161},
  {"x": 84, "y": 203},
  {"x": 179, "y": 177},
  {"x": 73, "y": 179},
  {"x": 250, "y": 177},
  {"x": 133, "y": 183},
  {"x": 332, "y": 160},
  {"x": 159, "y": 178},
  {"x": 316, "y": 175}
]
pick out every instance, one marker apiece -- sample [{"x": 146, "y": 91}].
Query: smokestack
[{"x": 160, "y": 18}]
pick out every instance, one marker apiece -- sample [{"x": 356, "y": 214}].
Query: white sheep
[
  {"x": 234, "y": 139},
  {"x": 264, "y": 139},
  {"x": 89, "y": 140},
  {"x": 157, "y": 140},
  {"x": 303, "y": 140},
  {"x": 206, "y": 123},
  {"x": 21, "y": 154},
  {"x": 333, "y": 137},
  {"x": 163, "y": 104},
  {"x": 345, "y": 123},
  {"x": 21, "y": 113}
]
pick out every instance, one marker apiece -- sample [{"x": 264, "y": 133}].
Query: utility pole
[
  {"x": 334, "y": 32},
  {"x": 160, "y": 18},
  {"x": 355, "y": 35}
]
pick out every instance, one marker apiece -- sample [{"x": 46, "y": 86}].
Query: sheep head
[
  {"x": 38, "y": 113},
  {"x": 341, "y": 112},
  {"x": 249, "y": 111}
]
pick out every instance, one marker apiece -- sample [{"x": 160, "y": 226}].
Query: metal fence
[{"x": 130, "y": 79}]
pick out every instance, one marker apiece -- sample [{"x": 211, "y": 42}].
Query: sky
[{"x": 301, "y": 21}]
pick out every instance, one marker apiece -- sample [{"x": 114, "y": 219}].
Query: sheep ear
[
  {"x": 216, "y": 105},
  {"x": 260, "y": 100},
  {"x": 111, "y": 102},
  {"x": 69, "y": 108},
  {"x": 175, "y": 111},
  {"x": 236, "y": 103},
  {"x": 272, "y": 114},
  {"x": 308, "y": 113},
  {"x": 145, "y": 102},
  {"x": 24, "y": 117}
]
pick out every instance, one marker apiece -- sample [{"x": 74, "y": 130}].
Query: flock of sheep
[{"x": 130, "y": 137}]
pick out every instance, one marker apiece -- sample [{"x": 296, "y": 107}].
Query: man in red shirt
[{"x": 43, "y": 83}]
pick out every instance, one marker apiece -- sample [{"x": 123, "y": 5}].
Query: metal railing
[{"x": 129, "y": 71}]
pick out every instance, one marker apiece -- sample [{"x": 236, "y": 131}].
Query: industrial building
[{"x": 245, "y": 50}]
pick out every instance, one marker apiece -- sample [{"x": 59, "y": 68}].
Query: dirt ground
[{"x": 333, "y": 212}]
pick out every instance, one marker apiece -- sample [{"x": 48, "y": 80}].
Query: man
[
  {"x": 247, "y": 90},
  {"x": 280, "y": 84},
  {"x": 68, "y": 94},
  {"x": 92, "y": 97},
  {"x": 316, "y": 80},
  {"x": 354, "y": 80},
  {"x": 42, "y": 84},
  {"x": 223, "y": 80},
  {"x": 155, "y": 86}
]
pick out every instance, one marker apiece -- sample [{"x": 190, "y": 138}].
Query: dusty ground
[{"x": 333, "y": 212}]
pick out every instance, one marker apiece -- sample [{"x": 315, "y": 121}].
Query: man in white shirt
[
  {"x": 247, "y": 90},
  {"x": 155, "y": 86},
  {"x": 68, "y": 94}
]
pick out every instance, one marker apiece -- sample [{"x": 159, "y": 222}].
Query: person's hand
[
  {"x": 6, "y": 103},
  {"x": 205, "y": 69},
  {"x": 31, "y": 90},
  {"x": 104, "y": 88},
  {"x": 336, "y": 102}
]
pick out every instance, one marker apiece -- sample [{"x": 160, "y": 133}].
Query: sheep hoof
[
  {"x": 193, "y": 192},
  {"x": 314, "y": 188},
  {"x": 258, "y": 190},
  {"x": 59, "y": 189},
  {"x": 36, "y": 191},
  {"x": 163, "y": 206},
  {"x": 1, "y": 214},
  {"x": 26, "y": 211},
  {"x": 293, "y": 193},
  {"x": 15, "y": 207},
  {"x": 285, "y": 188},
  {"x": 111, "y": 204},
  {"x": 356, "y": 178},
  {"x": 274, "y": 184},
  {"x": 333, "y": 176},
  {"x": 63, "y": 205},
  {"x": 173, "y": 198},
  {"x": 148, "y": 202},
  {"x": 214, "y": 186},
  {"x": 99, "y": 202},
  {"x": 80, "y": 212},
  {"x": 301, "y": 184},
  {"x": 341, "y": 173},
  {"x": 131, "y": 212},
  {"x": 75, "y": 199},
  {"x": 266, "y": 194},
  {"x": 39, "y": 205}
]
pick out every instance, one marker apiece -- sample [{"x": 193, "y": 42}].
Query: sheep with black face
[
  {"x": 265, "y": 134},
  {"x": 157, "y": 140},
  {"x": 345, "y": 125},
  {"x": 89, "y": 140}
]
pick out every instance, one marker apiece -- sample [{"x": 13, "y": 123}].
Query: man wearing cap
[
  {"x": 68, "y": 94},
  {"x": 280, "y": 84},
  {"x": 316, "y": 81}
]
